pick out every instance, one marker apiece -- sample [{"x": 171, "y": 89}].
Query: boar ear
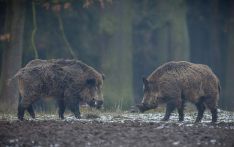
[
  {"x": 145, "y": 81},
  {"x": 103, "y": 76},
  {"x": 91, "y": 82}
]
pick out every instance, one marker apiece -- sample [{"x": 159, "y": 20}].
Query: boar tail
[
  {"x": 219, "y": 87},
  {"x": 12, "y": 78}
]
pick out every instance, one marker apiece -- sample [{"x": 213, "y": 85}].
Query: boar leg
[
  {"x": 169, "y": 109},
  {"x": 75, "y": 108},
  {"x": 61, "y": 110},
  {"x": 214, "y": 113},
  {"x": 21, "y": 110},
  {"x": 212, "y": 105},
  {"x": 77, "y": 111},
  {"x": 181, "y": 111},
  {"x": 31, "y": 111},
  {"x": 200, "y": 108},
  {"x": 25, "y": 104}
]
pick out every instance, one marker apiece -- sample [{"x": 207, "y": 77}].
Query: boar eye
[{"x": 91, "y": 82}]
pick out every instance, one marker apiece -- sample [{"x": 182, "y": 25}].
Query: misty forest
[{"x": 124, "y": 40}]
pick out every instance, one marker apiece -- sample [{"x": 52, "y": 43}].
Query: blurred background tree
[
  {"x": 12, "y": 50},
  {"x": 124, "y": 39}
]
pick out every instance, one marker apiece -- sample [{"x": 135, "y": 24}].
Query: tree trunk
[
  {"x": 170, "y": 28},
  {"x": 214, "y": 50},
  {"x": 117, "y": 62},
  {"x": 198, "y": 30},
  {"x": 179, "y": 41},
  {"x": 227, "y": 100},
  {"x": 12, "y": 53}
]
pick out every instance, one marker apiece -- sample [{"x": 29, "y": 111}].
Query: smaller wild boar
[
  {"x": 68, "y": 81},
  {"x": 174, "y": 83}
]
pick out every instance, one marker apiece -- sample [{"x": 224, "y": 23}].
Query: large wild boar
[
  {"x": 68, "y": 81},
  {"x": 174, "y": 83}
]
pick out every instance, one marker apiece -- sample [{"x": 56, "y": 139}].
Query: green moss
[{"x": 108, "y": 24}]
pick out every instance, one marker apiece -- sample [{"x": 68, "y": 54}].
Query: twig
[
  {"x": 69, "y": 48},
  {"x": 34, "y": 30}
]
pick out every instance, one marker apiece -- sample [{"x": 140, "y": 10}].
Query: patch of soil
[{"x": 128, "y": 133}]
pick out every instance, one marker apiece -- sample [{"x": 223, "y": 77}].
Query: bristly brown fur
[
  {"x": 176, "y": 82},
  {"x": 69, "y": 81}
]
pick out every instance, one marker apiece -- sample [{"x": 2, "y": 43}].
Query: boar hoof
[
  {"x": 20, "y": 118},
  {"x": 62, "y": 117},
  {"x": 165, "y": 119},
  {"x": 77, "y": 116},
  {"x": 98, "y": 104}
]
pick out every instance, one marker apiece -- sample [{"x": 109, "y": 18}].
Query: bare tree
[
  {"x": 228, "y": 91},
  {"x": 117, "y": 61},
  {"x": 12, "y": 53}
]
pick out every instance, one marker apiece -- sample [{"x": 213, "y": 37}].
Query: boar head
[
  {"x": 150, "y": 97},
  {"x": 91, "y": 93}
]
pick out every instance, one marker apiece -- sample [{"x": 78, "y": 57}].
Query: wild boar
[
  {"x": 75, "y": 67},
  {"x": 174, "y": 83},
  {"x": 68, "y": 81}
]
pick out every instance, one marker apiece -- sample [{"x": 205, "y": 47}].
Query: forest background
[{"x": 124, "y": 39}]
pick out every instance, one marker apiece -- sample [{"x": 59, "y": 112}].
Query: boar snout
[
  {"x": 98, "y": 104},
  {"x": 95, "y": 103},
  {"x": 140, "y": 107},
  {"x": 144, "y": 107}
]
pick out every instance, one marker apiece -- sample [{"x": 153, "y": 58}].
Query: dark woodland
[
  {"x": 125, "y": 40},
  {"x": 117, "y": 56}
]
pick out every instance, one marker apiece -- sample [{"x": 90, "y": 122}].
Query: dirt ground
[{"x": 120, "y": 130}]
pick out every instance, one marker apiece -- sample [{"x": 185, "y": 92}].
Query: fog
[{"x": 124, "y": 39}]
